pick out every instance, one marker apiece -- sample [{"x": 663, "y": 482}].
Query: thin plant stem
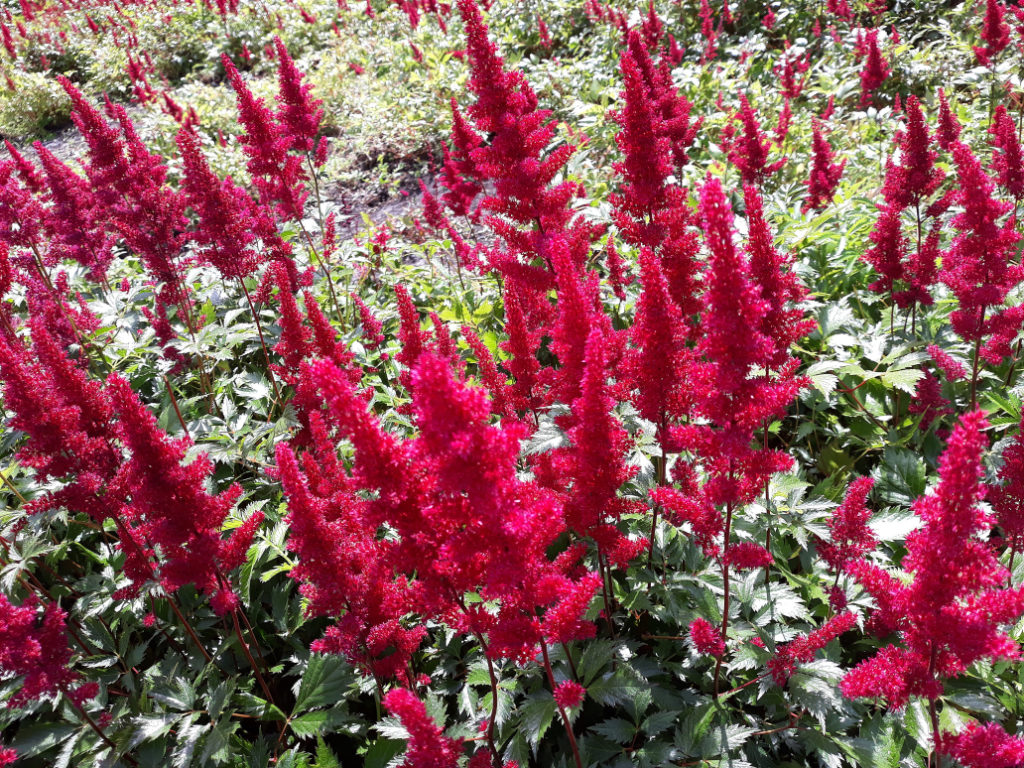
[
  {"x": 725, "y": 586},
  {"x": 561, "y": 711},
  {"x": 263, "y": 343}
]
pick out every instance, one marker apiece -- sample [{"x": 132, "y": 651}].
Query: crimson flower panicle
[{"x": 706, "y": 638}]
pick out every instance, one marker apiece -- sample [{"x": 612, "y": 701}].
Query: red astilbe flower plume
[
  {"x": 876, "y": 69},
  {"x": 372, "y": 327},
  {"x": 493, "y": 380},
  {"x": 1007, "y": 156},
  {"x": 35, "y": 647},
  {"x": 569, "y": 694},
  {"x": 928, "y": 400},
  {"x": 888, "y": 254},
  {"x": 465, "y": 520},
  {"x": 851, "y": 536},
  {"x": 914, "y": 177},
  {"x": 952, "y": 369},
  {"x": 825, "y": 175},
  {"x": 784, "y": 322},
  {"x": 1007, "y": 496},
  {"x": 983, "y": 746},
  {"x": 129, "y": 182},
  {"x": 749, "y": 151},
  {"x": 225, "y": 232},
  {"x": 595, "y": 461},
  {"x": 791, "y": 72},
  {"x": 277, "y": 174},
  {"x": 673, "y": 110},
  {"x": 949, "y": 615},
  {"x": 298, "y": 113},
  {"x": 646, "y": 165},
  {"x": 73, "y": 221},
  {"x": 22, "y": 217},
  {"x": 783, "y": 663},
  {"x": 920, "y": 271},
  {"x": 577, "y": 314},
  {"x": 995, "y": 33},
  {"x": 458, "y": 173},
  {"x": 977, "y": 267},
  {"x": 746, "y": 555},
  {"x": 343, "y": 568},
  {"x": 67, "y": 419},
  {"x": 654, "y": 370},
  {"x": 618, "y": 275},
  {"x": 706, "y": 638},
  {"x": 506, "y": 107},
  {"x": 521, "y": 344},
  {"x": 733, "y": 402},
  {"x": 26, "y": 169},
  {"x": 948, "y": 130},
  {"x": 169, "y": 502},
  {"x": 428, "y": 747}
]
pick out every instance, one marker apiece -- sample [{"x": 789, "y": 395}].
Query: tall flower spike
[
  {"x": 951, "y": 612},
  {"x": 655, "y": 367},
  {"x": 784, "y": 322},
  {"x": 783, "y": 664},
  {"x": 646, "y": 166},
  {"x": 851, "y": 536},
  {"x": 277, "y": 174},
  {"x": 298, "y": 113},
  {"x": 170, "y": 500},
  {"x": 825, "y": 175},
  {"x": 1007, "y": 156},
  {"x": 948, "y": 130},
  {"x": 995, "y": 33},
  {"x": 599, "y": 444},
  {"x": 749, "y": 152},
  {"x": 915, "y": 176},
  {"x": 977, "y": 267},
  {"x": 876, "y": 69},
  {"x": 225, "y": 233}
]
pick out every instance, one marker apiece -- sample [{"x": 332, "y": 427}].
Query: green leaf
[
  {"x": 324, "y": 682},
  {"x": 618, "y": 730},
  {"x": 382, "y": 751},
  {"x": 536, "y": 715}
]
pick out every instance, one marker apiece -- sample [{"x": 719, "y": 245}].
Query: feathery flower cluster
[
  {"x": 277, "y": 173},
  {"x": 851, "y": 536},
  {"x": 876, "y": 69},
  {"x": 35, "y": 647},
  {"x": 706, "y": 638},
  {"x": 995, "y": 33},
  {"x": 949, "y": 615},
  {"x": 978, "y": 267},
  {"x": 749, "y": 151},
  {"x": 783, "y": 663},
  {"x": 1007, "y": 497},
  {"x": 569, "y": 694},
  {"x": 825, "y": 175},
  {"x": 428, "y": 746},
  {"x": 1007, "y": 157},
  {"x": 465, "y": 522},
  {"x": 983, "y": 746},
  {"x": 167, "y": 502}
]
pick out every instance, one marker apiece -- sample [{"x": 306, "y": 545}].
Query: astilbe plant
[
  {"x": 978, "y": 268},
  {"x": 951, "y": 612},
  {"x": 825, "y": 175},
  {"x": 464, "y": 524},
  {"x": 748, "y": 150}
]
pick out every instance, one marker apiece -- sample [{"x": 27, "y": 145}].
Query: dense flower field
[{"x": 672, "y": 417}]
